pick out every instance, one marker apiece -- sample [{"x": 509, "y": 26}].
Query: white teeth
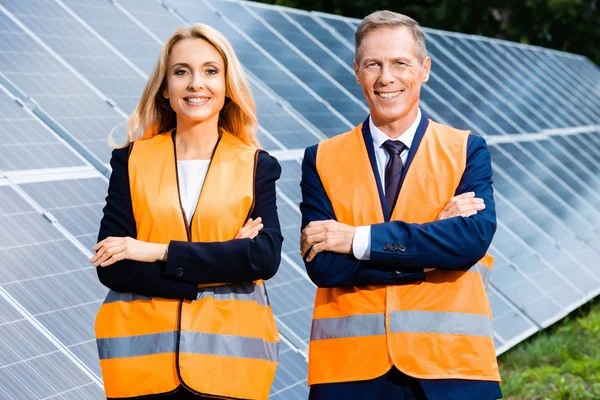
[
  {"x": 197, "y": 99},
  {"x": 388, "y": 95}
]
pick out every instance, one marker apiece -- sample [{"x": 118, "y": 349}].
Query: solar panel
[
  {"x": 71, "y": 70},
  {"x": 27, "y": 143},
  {"x": 81, "y": 49},
  {"x": 57, "y": 90},
  {"x": 49, "y": 283},
  {"x": 340, "y": 70}
]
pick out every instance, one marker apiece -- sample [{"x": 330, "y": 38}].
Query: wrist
[{"x": 162, "y": 252}]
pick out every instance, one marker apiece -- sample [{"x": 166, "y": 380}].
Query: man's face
[{"x": 391, "y": 74}]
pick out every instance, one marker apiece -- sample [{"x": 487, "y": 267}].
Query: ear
[
  {"x": 357, "y": 72},
  {"x": 426, "y": 69},
  {"x": 165, "y": 92}
]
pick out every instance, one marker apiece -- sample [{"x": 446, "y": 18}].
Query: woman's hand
[
  {"x": 250, "y": 229},
  {"x": 463, "y": 205},
  {"x": 113, "y": 249}
]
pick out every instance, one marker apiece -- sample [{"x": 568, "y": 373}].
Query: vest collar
[{"x": 368, "y": 141}]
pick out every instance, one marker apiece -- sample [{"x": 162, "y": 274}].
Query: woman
[{"x": 189, "y": 231}]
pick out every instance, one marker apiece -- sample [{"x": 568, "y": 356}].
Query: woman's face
[{"x": 195, "y": 81}]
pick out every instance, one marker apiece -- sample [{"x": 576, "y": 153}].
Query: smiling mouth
[
  {"x": 196, "y": 100},
  {"x": 388, "y": 95}
]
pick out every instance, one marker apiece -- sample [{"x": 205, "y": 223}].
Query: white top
[
  {"x": 192, "y": 174},
  {"x": 361, "y": 245}
]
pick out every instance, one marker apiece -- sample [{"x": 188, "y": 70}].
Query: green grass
[{"x": 562, "y": 362}]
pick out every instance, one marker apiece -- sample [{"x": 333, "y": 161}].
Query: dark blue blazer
[
  {"x": 453, "y": 244},
  {"x": 238, "y": 260}
]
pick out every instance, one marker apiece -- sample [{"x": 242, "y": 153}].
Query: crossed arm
[
  {"x": 457, "y": 240},
  {"x": 125, "y": 264}
]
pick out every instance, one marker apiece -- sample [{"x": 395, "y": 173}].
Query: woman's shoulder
[{"x": 267, "y": 165}]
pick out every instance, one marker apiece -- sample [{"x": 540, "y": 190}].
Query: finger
[
  {"x": 99, "y": 244},
  {"x": 315, "y": 229},
  {"x": 253, "y": 235},
  {"x": 117, "y": 257},
  {"x": 100, "y": 252},
  {"x": 109, "y": 253},
  {"x": 471, "y": 200},
  {"x": 108, "y": 244},
  {"x": 311, "y": 241},
  {"x": 259, "y": 228},
  {"x": 316, "y": 249}
]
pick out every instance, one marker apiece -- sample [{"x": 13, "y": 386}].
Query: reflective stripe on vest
[
  {"x": 224, "y": 343},
  {"x": 440, "y": 328},
  {"x": 243, "y": 292},
  {"x": 190, "y": 342},
  {"x": 403, "y": 322}
]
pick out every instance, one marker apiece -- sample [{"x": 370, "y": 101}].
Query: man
[{"x": 395, "y": 239}]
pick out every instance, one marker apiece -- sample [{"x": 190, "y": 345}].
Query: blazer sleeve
[
  {"x": 237, "y": 260},
  {"x": 454, "y": 243},
  {"x": 330, "y": 269},
  {"x": 147, "y": 278}
]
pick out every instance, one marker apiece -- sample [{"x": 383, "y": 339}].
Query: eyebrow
[
  {"x": 183, "y": 64},
  {"x": 370, "y": 60}
]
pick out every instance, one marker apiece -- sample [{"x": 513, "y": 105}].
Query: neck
[
  {"x": 196, "y": 140},
  {"x": 395, "y": 128}
]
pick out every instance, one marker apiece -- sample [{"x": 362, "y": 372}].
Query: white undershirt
[{"x": 192, "y": 174}]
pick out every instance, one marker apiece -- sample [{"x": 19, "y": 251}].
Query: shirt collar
[{"x": 407, "y": 137}]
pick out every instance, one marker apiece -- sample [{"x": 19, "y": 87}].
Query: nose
[
  {"x": 386, "y": 77},
  {"x": 196, "y": 82}
]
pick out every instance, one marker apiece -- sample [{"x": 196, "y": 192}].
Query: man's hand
[
  {"x": 327, "y": 235},
  {"x": 463, "y": 205},
  {"x": 113, "y": 249}
]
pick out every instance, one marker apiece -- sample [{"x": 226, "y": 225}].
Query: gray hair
[{"x": 390, "y": 19}]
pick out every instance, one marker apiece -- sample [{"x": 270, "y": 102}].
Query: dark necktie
[{"x": 393, "y": 171}]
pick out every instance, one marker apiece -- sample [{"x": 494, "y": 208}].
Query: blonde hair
[
  {"x": 154, "y": 115},
  {"x": 390, "y": 19}
]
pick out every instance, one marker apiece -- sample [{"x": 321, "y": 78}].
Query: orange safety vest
[
  {"x": 440, "y": 328},
  {"x": 225, "y": 343}
]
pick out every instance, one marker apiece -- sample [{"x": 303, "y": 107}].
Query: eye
[
  {"x": 401, "y": 64},
  {"x": 180, "y": 72},
  {"x": 372, "y": 65},
  {"x": 212, "y": 71}
]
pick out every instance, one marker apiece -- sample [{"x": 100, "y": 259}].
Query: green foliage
[
  {"x": 562, "y": 362},
  {"x": 568, "y": 25}
]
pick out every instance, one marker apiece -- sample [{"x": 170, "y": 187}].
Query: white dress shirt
[
  {"x": 361, "y": 245},
  {"x": 191, "y": 174}
]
